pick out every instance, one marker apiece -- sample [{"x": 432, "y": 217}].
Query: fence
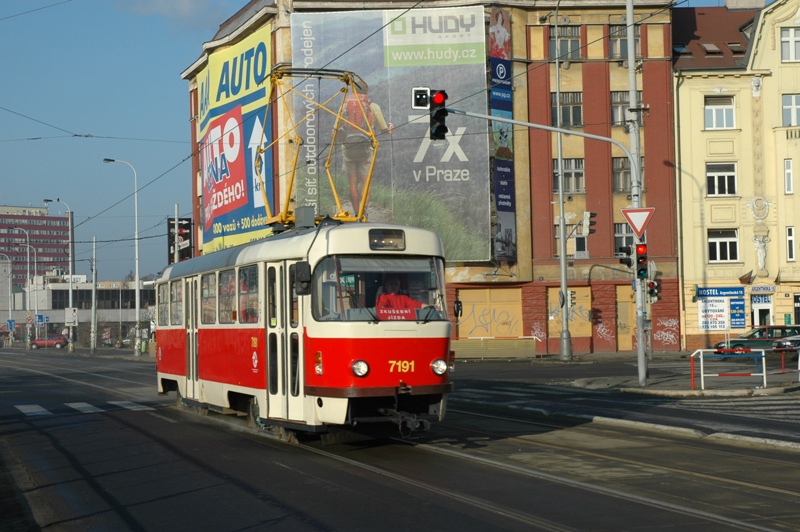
[{"x": 723, "y": 354}]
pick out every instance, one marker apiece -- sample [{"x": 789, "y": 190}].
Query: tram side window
[
  {"x": 248, "y": 294},
  {"x": 208, "y": 296},
  {"x": 294, "y": 309},
  {"x": 163, "y": 305},
  {"x": 176, "y": 303},
  {"x": 271, "y": 297},
  {"x": 227, "y": 296}
]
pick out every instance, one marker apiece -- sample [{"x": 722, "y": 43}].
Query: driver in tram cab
[{"x": 392, "y": 305}]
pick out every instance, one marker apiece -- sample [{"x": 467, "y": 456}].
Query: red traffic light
[
  {"x": 641, "y": 249},
  {"x": 438, "y": 98}
]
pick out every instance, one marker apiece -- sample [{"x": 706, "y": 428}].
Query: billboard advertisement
[
  {"x": 233, "y": 94},
  {"x": 440, "y": 185}
]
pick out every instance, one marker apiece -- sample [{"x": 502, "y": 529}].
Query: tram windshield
[{"x": 358, "y": 288}]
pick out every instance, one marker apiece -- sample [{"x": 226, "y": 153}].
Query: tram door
[
  {"x": 190, "y": 297},
  {"x": 285, "y": 381}
]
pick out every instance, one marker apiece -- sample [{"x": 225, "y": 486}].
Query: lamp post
[
  {"x": 35, "y": 270},
  {"x": 135, "y": 244},
  {"x": 10, "y": 271},
  {"x": 565, "y": 347},
  {"x": 69, "y": 251},
  {"x": 28, "y": 296}
]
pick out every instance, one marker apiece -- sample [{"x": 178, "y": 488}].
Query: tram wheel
[
  {"x": 179, "y": 401},
  {"x": 252, "y": 415}
]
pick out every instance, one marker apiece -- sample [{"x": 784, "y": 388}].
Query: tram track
[{"x": 669, "y": 469}]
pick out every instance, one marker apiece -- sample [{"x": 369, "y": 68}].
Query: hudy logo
[{"x": 432, "y": 24}]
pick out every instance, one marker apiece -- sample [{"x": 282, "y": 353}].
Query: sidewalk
[{"x": 670, "y": 373}]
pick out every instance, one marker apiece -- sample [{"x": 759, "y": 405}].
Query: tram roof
[{"x": 296, "y": 244}]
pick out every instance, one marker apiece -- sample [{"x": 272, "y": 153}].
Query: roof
[{"x": 710, "y": 38}]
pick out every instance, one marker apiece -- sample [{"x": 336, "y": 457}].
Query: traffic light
[
  {"x": 572, "y": 298},
  {"x": 627, "y": 260},
  {"x": 588, "y": 222},
  {"x": 420, "y": 98},
  {"x": 438, "y": 114},
  {"x": 654, "y": 291},
  {"x": 641, "y": 261}
]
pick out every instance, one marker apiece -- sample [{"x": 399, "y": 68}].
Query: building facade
[
  {"x": 517, "y": 294},
  {"x": 48, "y": 236},
  {"x": 737, "y": 87}
]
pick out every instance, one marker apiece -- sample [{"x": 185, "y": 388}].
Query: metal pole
[
  {"x": 565, "y": 347},
  {"x": 636, "y": 185},
  {"x": 135, "y": 247},
  {"x": 93, "y": 336},
  {"x": 69, "y": 252},
  {"x": 10, "y": 270},
  {"x": 175, "y": 238}
]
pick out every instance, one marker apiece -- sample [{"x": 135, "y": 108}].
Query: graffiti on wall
[
  {"x": 667, "y": 331},
  {"x": 485, "y": 321}
]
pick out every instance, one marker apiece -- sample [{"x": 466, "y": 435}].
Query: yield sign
[{"x": 638, "y": 218}]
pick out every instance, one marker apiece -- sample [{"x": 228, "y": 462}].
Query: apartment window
[
  {"x": 719, "y": 112},
  {"x": 723, "y": 245},
  {"x": 721, "y": 179},
  {"x": 618, "y": 41},
  {"x": 569, "y": 42},
  {"x": 788, "y": 176},
  {"x": 576, "y": 243},
  {"x": 621, "y": 170},
  {"x": 571, "y": 109},
  {"x": 573, "y": 175},
  {"x": 623, "y": 236},
  {"x": 790, "y": 44},
  {"x": 790, "y": 244},
  {"x": 791, "y": 109},
  {"x": 619, "y": 104}
]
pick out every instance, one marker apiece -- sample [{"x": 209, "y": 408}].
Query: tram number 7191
[{"x": 401, "y": 366}]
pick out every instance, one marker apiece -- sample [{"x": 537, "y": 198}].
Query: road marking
[
  {"x": 130, "y": 406},
  {"x": 84, "y": 408},
  {"x": 33, "y": 410}
]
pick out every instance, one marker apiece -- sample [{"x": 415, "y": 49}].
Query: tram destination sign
[{"x": 720, "y": 291}]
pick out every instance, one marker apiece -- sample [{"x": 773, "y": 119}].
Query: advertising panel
[
  {"x": 234, "y": 89},
  {"x": 713, "y": 314},
  {"x": 439, "y": 185},
  {"x": 502, "y": 149}
]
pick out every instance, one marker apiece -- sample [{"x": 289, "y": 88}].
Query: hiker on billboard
[{"x": 358, "y": 148}]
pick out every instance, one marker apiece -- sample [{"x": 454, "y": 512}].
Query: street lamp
[
  {"x": 69, "y": 250},
  {"x": 28, "y": 295},
  {"x": 565, "y": 349},
  {"x": 10, "y": 271},
  {"x": 135, "y": 244},
  {"x": 36, "y": 286}
]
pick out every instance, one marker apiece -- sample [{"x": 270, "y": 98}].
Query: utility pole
[{"x": 632, "y": 117}]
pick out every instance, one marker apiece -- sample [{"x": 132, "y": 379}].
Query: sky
[{"x": 85, "y": 80}]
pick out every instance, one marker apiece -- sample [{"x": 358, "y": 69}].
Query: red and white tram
[{"x": 286, "y": 329}]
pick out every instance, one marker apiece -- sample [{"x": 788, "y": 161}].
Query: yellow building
[{"x": 737, "y": 101}]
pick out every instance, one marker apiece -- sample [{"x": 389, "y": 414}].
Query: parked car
[
  {"x": 762, "y": 337},
  {"x": 54, "y": 340},
  {"x": 790, "y": 343}
]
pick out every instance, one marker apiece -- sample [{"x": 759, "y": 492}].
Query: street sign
[
  {"x": 12, "y": 324},
  {"x": 638, "y": 218},
  {"x": 29, "y": 320}
]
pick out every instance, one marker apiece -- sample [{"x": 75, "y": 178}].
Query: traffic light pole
[{"x": 636, "y": 199}]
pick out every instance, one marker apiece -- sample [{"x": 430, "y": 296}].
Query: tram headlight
[
  {"x": 360, "y": 368},
  {"x": 439, "y": 366}
]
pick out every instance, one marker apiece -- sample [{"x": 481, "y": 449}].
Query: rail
[{"x": 724, "y": 354}]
